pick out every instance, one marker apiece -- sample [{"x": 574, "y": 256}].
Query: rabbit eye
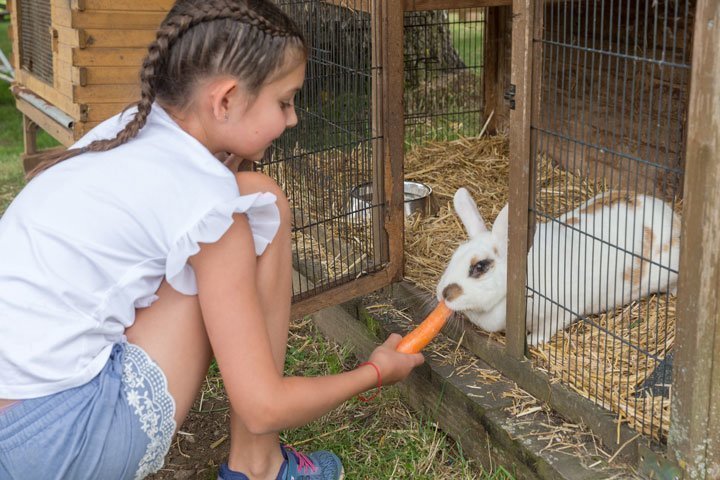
[{"x": 479, "y": 268}]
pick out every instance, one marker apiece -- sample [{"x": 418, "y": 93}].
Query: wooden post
[
  {"x": 30, "y": 129},
  {"x": 379, "y": 234},
  {"x": 519, "y": 194},
  {"x": 694, "y": 438},
  {"x": 394, "y": 130},
  {"x": 496, "y": 66}
]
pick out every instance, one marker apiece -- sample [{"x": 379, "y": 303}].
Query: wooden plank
[
  {"x": 519, "y": 184},
  {"x": 116, "y": 20},
  {"x": 108, "y": 57},
  {"x": 64, "y": 87},
  {"x": 497, "y": 65},
  {"x": 354, "y": 5},
  {"x": 15, "y": 39},
  {"x": 97, "y": 112},
  {"x": 108, "y": 75},
  {"x": 125, "y": 5},
  {"x": 64, "y": 53},
  {"x": 341, "y": 293},
  {"x": 49, "y": 93},
  {"x": 430, "y": 391},
  {"x": 106, "y": 93},
  {"x": 57, "y": 131},
  {"x": 67, "y": 36},
  {"x": 472, "y": 411},
  {"x": 126, "y": 38},
  {"x": 419, "y": 5},
  {"x": 64, "y": 71},
  {"x": 568, "y": 403},
  {"x": 60, "y": 14},
  {"x": 379, "y": 235},
  {"x": 693, "y": 439},
  {"x": 29, "y": 136},
  {"x": 32, "y": 160},
  {"x": 393, "y": 121},
  {"x": 81, "y": 128}
]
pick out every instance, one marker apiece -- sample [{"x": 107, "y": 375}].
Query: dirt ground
[{"x": 201, "y": 444}]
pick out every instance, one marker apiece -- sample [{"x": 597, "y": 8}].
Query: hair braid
[{"x": 182, "y": 17}]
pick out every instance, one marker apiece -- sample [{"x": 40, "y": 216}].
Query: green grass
[
  {"x": 381, "y": 439},
  {"x": 468, "y": 40}
]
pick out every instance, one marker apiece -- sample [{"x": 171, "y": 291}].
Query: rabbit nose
[{"x": 452, "y": 291}]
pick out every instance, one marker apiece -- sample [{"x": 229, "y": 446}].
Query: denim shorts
[{"x": 117, "y": 426}]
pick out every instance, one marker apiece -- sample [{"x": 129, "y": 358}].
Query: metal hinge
[
  {"x": 510, "y": 96},
  {"x": 654, "y": 466}
]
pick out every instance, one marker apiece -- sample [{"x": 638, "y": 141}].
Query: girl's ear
[
  {"x": 467, "y": 210},
  {"x": 223, "y": 98}
]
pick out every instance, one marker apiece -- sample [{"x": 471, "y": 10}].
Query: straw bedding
[{"x": 608, "y": 365}]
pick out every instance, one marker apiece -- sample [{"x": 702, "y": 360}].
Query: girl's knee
[{"x": 251, "y": 182}]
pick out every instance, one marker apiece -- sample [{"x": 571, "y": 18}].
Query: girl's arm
[{"x": 264, "y": 399}]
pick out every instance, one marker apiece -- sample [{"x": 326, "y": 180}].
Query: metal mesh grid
[
  {"x": 613, "y": 97},
  {"x": 35, "y": 41},
  {"x": 443, "y": 74},
  {"x": 326, "y": 163}
]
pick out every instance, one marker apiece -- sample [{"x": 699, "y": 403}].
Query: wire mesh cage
[
  {"x": 331, "y": 163},
  {"x": 607, "y": 128},
  {"x": 323, "y": 162},
  {"x": 35, "y": 41},
  {"x": 444, "y": 90},
  {"x": 603, "y": 267}
]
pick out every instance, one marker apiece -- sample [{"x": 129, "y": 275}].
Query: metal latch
[{"x": 510, "y": 96}]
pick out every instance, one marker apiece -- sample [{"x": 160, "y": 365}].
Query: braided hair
[{"x": 198, "y": 39}]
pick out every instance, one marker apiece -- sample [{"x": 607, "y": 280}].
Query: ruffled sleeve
[{"x": 263, "y": 216}]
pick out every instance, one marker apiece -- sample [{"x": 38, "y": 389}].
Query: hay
[
  {"x": 601, "y": 358},
  {"x": 328, "y": 244}
]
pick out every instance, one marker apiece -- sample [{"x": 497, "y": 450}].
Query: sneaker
[{"x": 321, "y": 465}]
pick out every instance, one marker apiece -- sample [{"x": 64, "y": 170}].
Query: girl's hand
[{"x": 394, "y": 366}]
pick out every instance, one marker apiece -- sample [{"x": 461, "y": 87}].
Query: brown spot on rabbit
[
  {"x": 572, "y": 221},
  {"x": 452, "y": 291},
  {"x": 641, "y": 264},
  {"x": 608, "y": 200}
]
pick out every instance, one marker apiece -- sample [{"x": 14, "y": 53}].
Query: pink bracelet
[{"x": 378, "y": 386}]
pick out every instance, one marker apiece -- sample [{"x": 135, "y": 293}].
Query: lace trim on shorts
[{"x": 147, "y": 393}]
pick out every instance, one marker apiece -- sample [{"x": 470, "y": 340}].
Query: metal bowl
[{"x": 418, "y": 198}]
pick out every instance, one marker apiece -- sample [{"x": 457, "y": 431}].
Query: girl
[{"x": 138, "y": 255}]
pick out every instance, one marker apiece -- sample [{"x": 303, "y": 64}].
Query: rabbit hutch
[
  {"x": 569, "y": 110},
  {"x": 77, "y": 61}
]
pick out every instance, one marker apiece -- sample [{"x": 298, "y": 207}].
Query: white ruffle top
[{"x": 88, "y": 241}]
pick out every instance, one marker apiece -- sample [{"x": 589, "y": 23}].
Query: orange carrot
[{"x": 419, "y": 337}]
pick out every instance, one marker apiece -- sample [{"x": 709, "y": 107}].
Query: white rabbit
[{"x": 613, "y": 249}]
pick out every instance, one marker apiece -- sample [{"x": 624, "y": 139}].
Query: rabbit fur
[{"x": 613, "y": 249}]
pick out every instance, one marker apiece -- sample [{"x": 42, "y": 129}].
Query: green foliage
[{"x": 468, "y": 40}]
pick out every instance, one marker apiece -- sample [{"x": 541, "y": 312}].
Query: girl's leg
[
  {"x": 172, "y": 332},
  {"x": 259, "y": 455}
]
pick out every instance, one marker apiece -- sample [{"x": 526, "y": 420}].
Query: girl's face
[{"x": 252, "y": 126}]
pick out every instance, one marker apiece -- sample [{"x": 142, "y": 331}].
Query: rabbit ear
[
  {"x": 467, "y": 210},
  {"x": 500, "y": 227}
]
